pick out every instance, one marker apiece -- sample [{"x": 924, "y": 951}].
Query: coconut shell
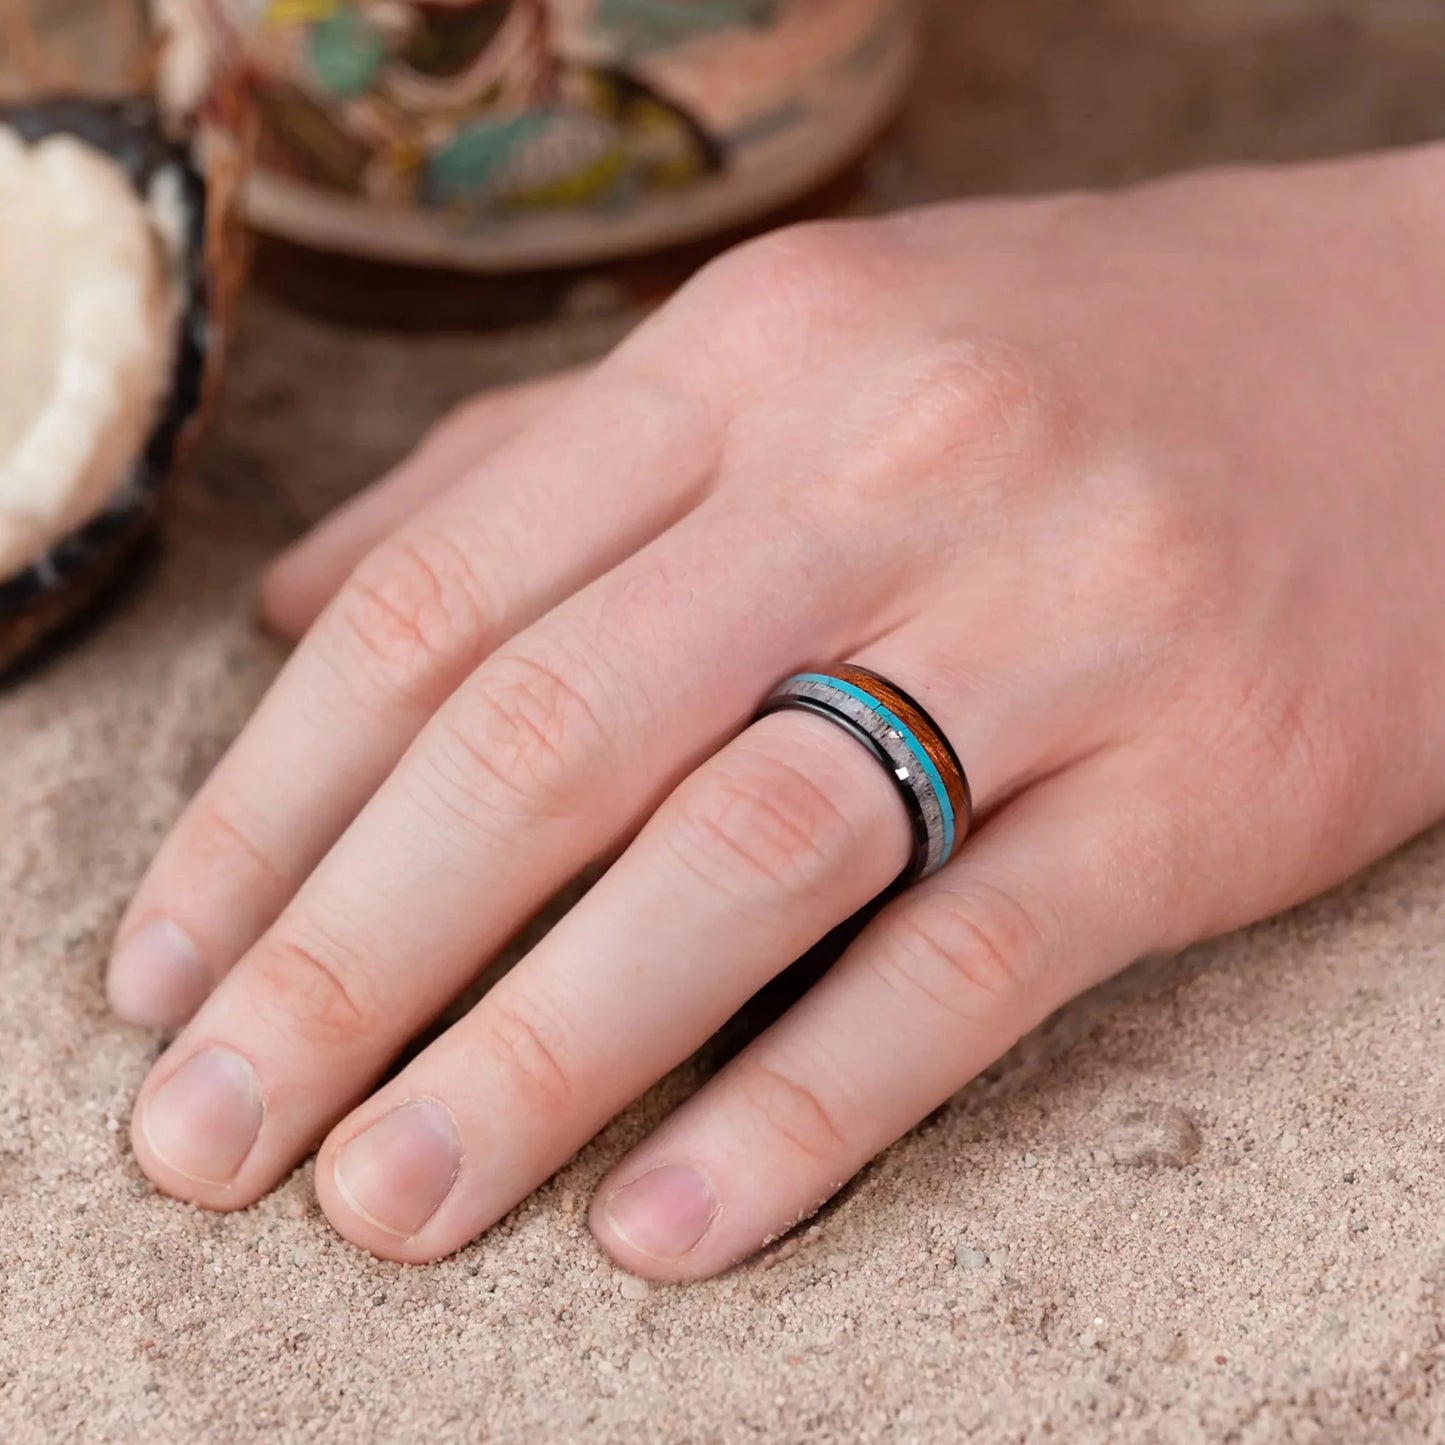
[{"x": 57, "y": 586}]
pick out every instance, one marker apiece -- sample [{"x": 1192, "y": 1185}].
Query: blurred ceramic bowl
[{"x": 498, "y": 135}]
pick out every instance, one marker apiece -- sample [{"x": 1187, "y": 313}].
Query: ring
[{"x": 902, "y": 736}]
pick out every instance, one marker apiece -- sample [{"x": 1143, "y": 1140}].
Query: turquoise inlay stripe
[{"x": 945, "y": 803}]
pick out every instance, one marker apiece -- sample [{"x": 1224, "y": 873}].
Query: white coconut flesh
[{"x": 91, "y": 292}]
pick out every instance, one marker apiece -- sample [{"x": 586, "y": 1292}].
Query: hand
[{"x": 1140, "y": 496}]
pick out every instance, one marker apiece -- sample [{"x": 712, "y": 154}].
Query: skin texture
[{"x": 1138, "y": 495}]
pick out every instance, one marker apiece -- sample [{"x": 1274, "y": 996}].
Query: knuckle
[
  {"x": 410, "y": 617},
  {"x": 518, "y": 732},
  {"x": 756, "y": 825},
  {"x": 988, "y": 396},
  {"x": 532, "y": 1050},
  {"x": 1157, "y": 562},
  {"x": 794, "y": 1110},
  {"x": 971, "y": 953},
  {"x": 305, "y": 985},
  {"x": 975, "y": 412},
  {"x": 788, "y": 284},
  {"x": 223, "y": 839}
]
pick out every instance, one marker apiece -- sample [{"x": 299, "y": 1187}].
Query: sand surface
[{"x": 997, "y": 1276}]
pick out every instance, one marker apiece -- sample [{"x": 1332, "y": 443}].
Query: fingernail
[
  {"x": 664, "y": 1213},
  {"x": 204, "y": 1119},
  {"x": 397, "y": 1173},
  {"x": 157, "y": 979}
]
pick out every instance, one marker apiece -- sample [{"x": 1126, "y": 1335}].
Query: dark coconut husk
[{"x": 207, "y": 162}]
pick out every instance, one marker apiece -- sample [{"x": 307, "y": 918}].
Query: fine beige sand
[{"x": 1005, "y": 1273}]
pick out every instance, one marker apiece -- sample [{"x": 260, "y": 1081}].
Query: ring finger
[{"x": 947, "y": 978}]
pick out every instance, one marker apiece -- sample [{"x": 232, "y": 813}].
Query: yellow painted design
[
  {"x": 405, "y": 156},
  {"x": 581, "y": 186},
  {"x": 681, "y": 170},
  {"x": 601, "y": 95},
  {"x": 283, "y": 13}
]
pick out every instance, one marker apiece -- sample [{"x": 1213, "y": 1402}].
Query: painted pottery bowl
[{"x": 513, "y": 134}]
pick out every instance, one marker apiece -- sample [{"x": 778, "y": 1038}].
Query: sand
[{"x": 997, "y": 1276}]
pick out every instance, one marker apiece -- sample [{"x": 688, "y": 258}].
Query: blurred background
[
  {"x": 1024, "y": 94},
  {"x": 1009, "y": 96}
]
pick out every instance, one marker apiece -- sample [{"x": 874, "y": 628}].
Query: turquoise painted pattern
[
  {"x": 480, "y": 153},
  {"x": 346, "y": 53}
]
